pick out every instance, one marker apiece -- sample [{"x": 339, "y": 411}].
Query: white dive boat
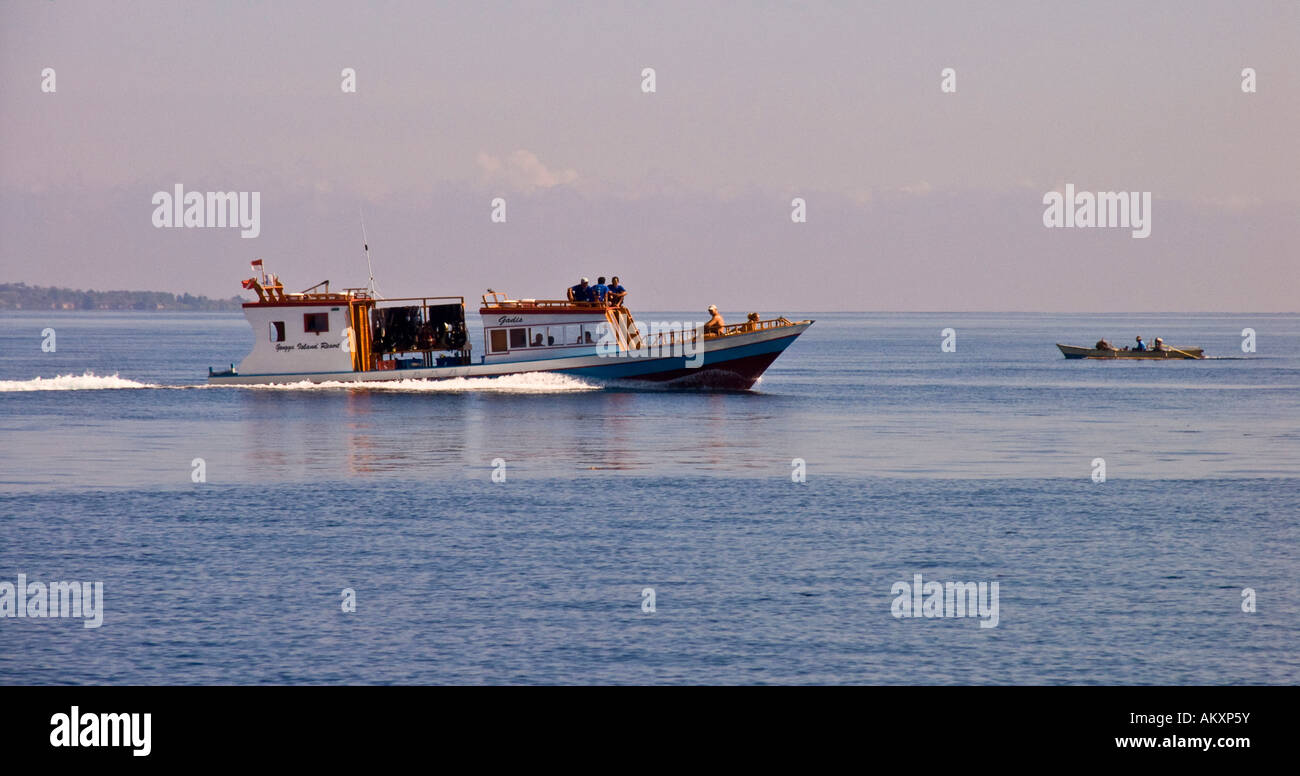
[{"x": 355, "y": 337}]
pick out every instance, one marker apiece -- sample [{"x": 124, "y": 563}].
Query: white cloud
[{"x": 523, "y": 171}]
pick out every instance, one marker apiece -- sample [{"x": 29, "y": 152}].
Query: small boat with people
[
  {"x": 357, "y": 336},
  {"x": 1158, "y": 350}
]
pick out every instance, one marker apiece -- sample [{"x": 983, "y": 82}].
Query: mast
[{"x": 365, "y": 247}]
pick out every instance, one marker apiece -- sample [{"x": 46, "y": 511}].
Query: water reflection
[{"x": 352, "y": 433}]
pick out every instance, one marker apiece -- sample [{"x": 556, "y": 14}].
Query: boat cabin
[
  {"x": 317, "y": 331},
  {"x": 533, "y": 329},
  {"x": 350, "y": 331}
]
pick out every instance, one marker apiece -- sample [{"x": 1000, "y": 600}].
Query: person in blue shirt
[
  {"x": 616, "y": 293},
  {"x": 599, "y": 291},
  {"x": 580, "y": 292},
  {"x": 1140, "y": 346}
]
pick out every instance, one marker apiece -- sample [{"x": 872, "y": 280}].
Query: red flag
[{"x": 257, "y": 262}]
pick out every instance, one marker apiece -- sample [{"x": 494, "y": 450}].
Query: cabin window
[
  {"x": 498, "y": 337},
  {"x": 518, "y": 338},
  {"x": 572, "y": 334},
  {"x": 315, "y": 323},
  {"x": 537, "y": 337},
  {"x": 277, "y": 331}
]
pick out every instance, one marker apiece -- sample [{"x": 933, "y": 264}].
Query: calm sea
[{"x": 968, "y": 466}]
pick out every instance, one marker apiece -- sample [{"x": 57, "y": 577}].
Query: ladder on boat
[{"x": 625, "y": 327}]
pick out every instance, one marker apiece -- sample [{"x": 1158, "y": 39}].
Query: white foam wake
[
  {"x": 531, "y": 382},
  {"x": 85, "y": 382}
]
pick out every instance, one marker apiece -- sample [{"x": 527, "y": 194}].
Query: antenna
[{"x": 365, "y": 245}]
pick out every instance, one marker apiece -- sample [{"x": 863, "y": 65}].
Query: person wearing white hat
[
  {"x": 580, "y": 292},
  {"x": 715, "y": 324}
]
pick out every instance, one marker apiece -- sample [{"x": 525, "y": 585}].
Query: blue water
[{"x": 967, "y": 466}]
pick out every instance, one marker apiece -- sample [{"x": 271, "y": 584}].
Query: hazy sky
[{"x": 916, "y": 199}]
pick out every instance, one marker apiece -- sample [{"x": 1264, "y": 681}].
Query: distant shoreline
[
  {"x": 20, "y": 296},
  {"x": 24, "y": 298}
]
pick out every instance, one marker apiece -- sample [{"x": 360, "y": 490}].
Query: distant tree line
[{"x": 20, "y": 296}]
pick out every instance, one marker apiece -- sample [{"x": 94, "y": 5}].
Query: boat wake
[
  {"x": 535, "y": 382},
  {"x": 84, "y": 382},
  {"x": 526, "y": 383}
]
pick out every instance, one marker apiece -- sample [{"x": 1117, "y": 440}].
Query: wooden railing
[
  {"x": 672, "y": 338},
  {"x": 498, "y": 300},
  {"x": 274, "y": 292},
  {"x": 319, "y": 297},
  {"x": 748, "y": 326},
  {"x": 678, "y": 337}
]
